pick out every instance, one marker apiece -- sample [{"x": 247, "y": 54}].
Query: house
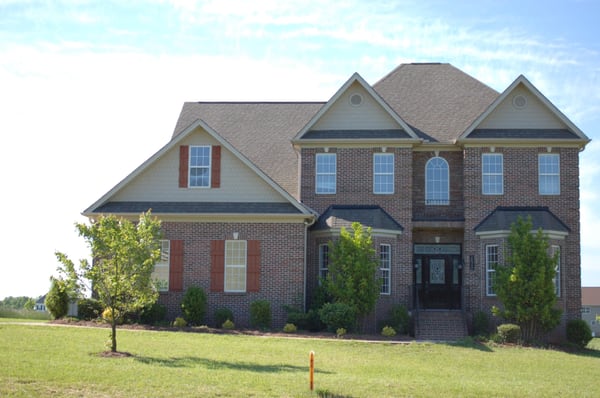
[
  {"x": 40, "y": 304},
  {"x": 437, "y": 163},
  {"x": 590, "y": 308}
]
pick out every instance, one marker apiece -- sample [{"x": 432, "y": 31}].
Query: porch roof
[
  {"x": 338, "y": 216},
  {"x": 501, "y": 219}
]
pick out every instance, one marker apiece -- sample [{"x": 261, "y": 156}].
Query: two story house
[{"x": 437, "y": 163}]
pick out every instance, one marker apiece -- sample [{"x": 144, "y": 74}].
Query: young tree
[
  {"x": 57, "y": 299},
  {"x": 525, "y": 285},
  {"x": 352, "y": 270},
  {"x": 124, "y": 254}
]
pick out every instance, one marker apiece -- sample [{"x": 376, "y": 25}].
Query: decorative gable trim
[
  {"x": 345, "y": 87},
  {"x": 536, "y": 93}
]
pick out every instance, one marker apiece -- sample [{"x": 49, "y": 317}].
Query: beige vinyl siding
[
  {"x": 533, "y": 116},
  {"x": 344, "y": 116},
  {"x": 159, "y": 182}
]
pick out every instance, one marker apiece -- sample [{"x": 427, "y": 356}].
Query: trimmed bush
[
  {"x": 179, "y": 322},
  {"x": 509, "y": 333},
  {"x": 341, "y": 332},
  {"x": 481, "y": 324},
  {"x": 153, "y": 314},
  {"x": 290, "y": 328},
  {"x": 193, "y": 305},
  {"x": 222, "y": 315},
  {"x": 305, "y": 320},
  {"x": 579, "y": 333},
  {"x": 89, "y": 309},
  {"x": 228, "y": 324},
  {"x": 388, "y": 331},
  {"x": 260, "y": 314},
  {"x": 399, "y": 318},
  {"x": 57, "y": 299},
  {"x": 338, "y": 315}
]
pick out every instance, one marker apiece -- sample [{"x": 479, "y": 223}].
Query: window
[
  {"x": 200, "y": 166},
  {"x": 491, "y": 261},
  {"x": 437, "y": 185},
  {"x": 385, "y": 264},
  {"x": 549, "y": 174},
  {"x": 323, "y": 261},
  {"x": 492, "y": 174},
  {"x": 555, "y": 250},
  {"x": 383, "y": 173},
  {"x": 161, "y": 268},
  {"x": 326, "y": 173},
  {"x": 235, "y": 266}
]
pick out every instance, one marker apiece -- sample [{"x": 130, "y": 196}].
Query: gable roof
[
  {"x": 105, "y": 200},
  {"x": 437, "y": 100},
  {"x": 590, "y": 296},
  {"x": 576, "y": 134},
  {"x": 338, "y": 216},
  {"x": 500, "y": 220},
  {"x": 261, "y": 131},
  {"x": 355, "y": 78}
]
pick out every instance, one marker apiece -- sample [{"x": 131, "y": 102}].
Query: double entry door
[{"x": 438, "y": 276}]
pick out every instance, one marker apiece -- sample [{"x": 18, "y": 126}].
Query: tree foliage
[
  {"x": 352, "y": 270},
  {"x": 57, "y": 299},
  {"x": 124, "y": 254},
  {"x": 525, "y": 284}
]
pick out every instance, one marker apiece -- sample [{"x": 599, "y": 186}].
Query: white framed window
[
  {"x": 555, "y": 250},
  {"x": 235, "y": 265},
  {"x": 326, "y": 172},
  {"x": 437, "y": 182},
  {"x": 385, "y": 267},
  {"x": 383, "y": 173},
  {"x": 492, "y": 173},
  {"x": 491, "y": 262},
  {"x": 323, "y": 261},
  {"x": 549, "y": 173},
  {"x": 200, "y": 161},
  {"x": 160, "y": 275}
]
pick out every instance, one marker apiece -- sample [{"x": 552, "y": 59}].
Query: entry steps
[{"x": 441, "y": 325}]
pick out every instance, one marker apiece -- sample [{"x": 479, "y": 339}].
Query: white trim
[
  {"x": 483, "y": 173},
  {"x": 236, "y": 266},
  {"x": 550, "y": 234},
  {"x": 489, "y": 271},
  {"x": 447, "y": 191},
  {"x": 557, "y": 175},
  {"x": 189, "y": 170},
  {"x": 393, "y": 173},
  {"x": 327, "y": 174},
  {"x": 388, "y": 269}
]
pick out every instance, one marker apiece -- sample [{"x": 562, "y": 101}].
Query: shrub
[
  {"x": 481, "y": 324},
  {"x": 107, "y": 314},
  {"x": 338, "y": 315},
  {"x": 399, "y": 318},
  {"x": 305, "y": 320},
  {"x": 260, "y": 314},
  {"x": 222, "y": 315},
  {"x": 89, "y": 309},
  {"x": 179, "y": 322},
  {"x": 341, "y": 332},
  {"x": 153, "y": 314},
  {"x": 388, "y": 331},
  {"x": 578, "y": 333},
  {"x": 290, "y": 328},
  {"x": 228, "y": 324},
  {"x": 194, "y": 305},
  {"x": 57, "y": 299},
  {"x": 509, "y": 333}
]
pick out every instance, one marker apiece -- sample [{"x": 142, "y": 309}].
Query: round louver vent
[
  {"x": 356, "y": 99},
  {"x": 519, "y": 101}
]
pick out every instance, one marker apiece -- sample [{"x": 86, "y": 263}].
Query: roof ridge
[{"x": 255, "y": 102}]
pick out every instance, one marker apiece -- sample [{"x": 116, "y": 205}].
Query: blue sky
[{"x": 89, "y": 90}]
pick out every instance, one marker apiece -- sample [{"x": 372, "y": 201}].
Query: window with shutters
[
  {"x": 160, "y": 276},
  {"x": 199, "y": 166},
  {"x": 235, "y": 265}
]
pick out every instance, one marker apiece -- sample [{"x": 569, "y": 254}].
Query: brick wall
[{"x": 281, "y": 267}]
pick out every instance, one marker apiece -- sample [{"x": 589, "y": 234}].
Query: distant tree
[
  {"x": 525, "y": 284},
  {"x": 124, "y": 254},
  {"x": 57, "y": 299},
  {"x": 16, "y": 303},
  {"x": 352, "y": 272},
  {"x": 30, "y": 304}
]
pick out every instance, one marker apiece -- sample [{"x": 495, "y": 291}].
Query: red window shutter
[
  {"x": 217, "y": 265},
  {"x": 215, "y": 176},
  {"x": 253, "y": 270},
  {"x": 184, "y": 158},
  {"x": 176, "y": 266}
]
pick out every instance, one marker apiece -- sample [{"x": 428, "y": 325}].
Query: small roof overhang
[{"x": 498, "y": 223}]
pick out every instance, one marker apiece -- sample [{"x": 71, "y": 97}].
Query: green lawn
[{"x": 65, "y": 362}]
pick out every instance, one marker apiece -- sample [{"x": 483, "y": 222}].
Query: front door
[{"x": 438, "y": 278}]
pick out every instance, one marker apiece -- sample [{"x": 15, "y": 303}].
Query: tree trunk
[{"x": 113, "y": 336}]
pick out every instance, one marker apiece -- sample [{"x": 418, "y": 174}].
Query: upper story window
[
  {"x": 160, "y": 275},
  {"x": 437, "y": 182},
  {"x": 492, "y": 174},
  {"x": 549, "y": 174},
  {"x": 491, "y": 262},
  {"x": 200, "y": 166},
  {"x": 235, "y": 266},
  {"x": 383, "y": 173},
  {"x": 326, "y": 171},
  {"x": 385, "y": 265}
]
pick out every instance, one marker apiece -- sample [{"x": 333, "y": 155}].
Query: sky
[{"x": 91, "y": 89}]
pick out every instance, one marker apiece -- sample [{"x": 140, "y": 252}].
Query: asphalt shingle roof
[
  {"x": 337, "y": 216},
  {"x": 198, "y": 208},
  {"x": 502, "y": 218},
  {"x": 523, "y": 133}
]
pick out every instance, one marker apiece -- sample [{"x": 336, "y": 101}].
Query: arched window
[{"x": 437, "y": 182}]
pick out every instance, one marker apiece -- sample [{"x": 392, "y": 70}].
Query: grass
[
  {"x": 23, "y": 315},
  {"x": 65, "y": 362}
]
